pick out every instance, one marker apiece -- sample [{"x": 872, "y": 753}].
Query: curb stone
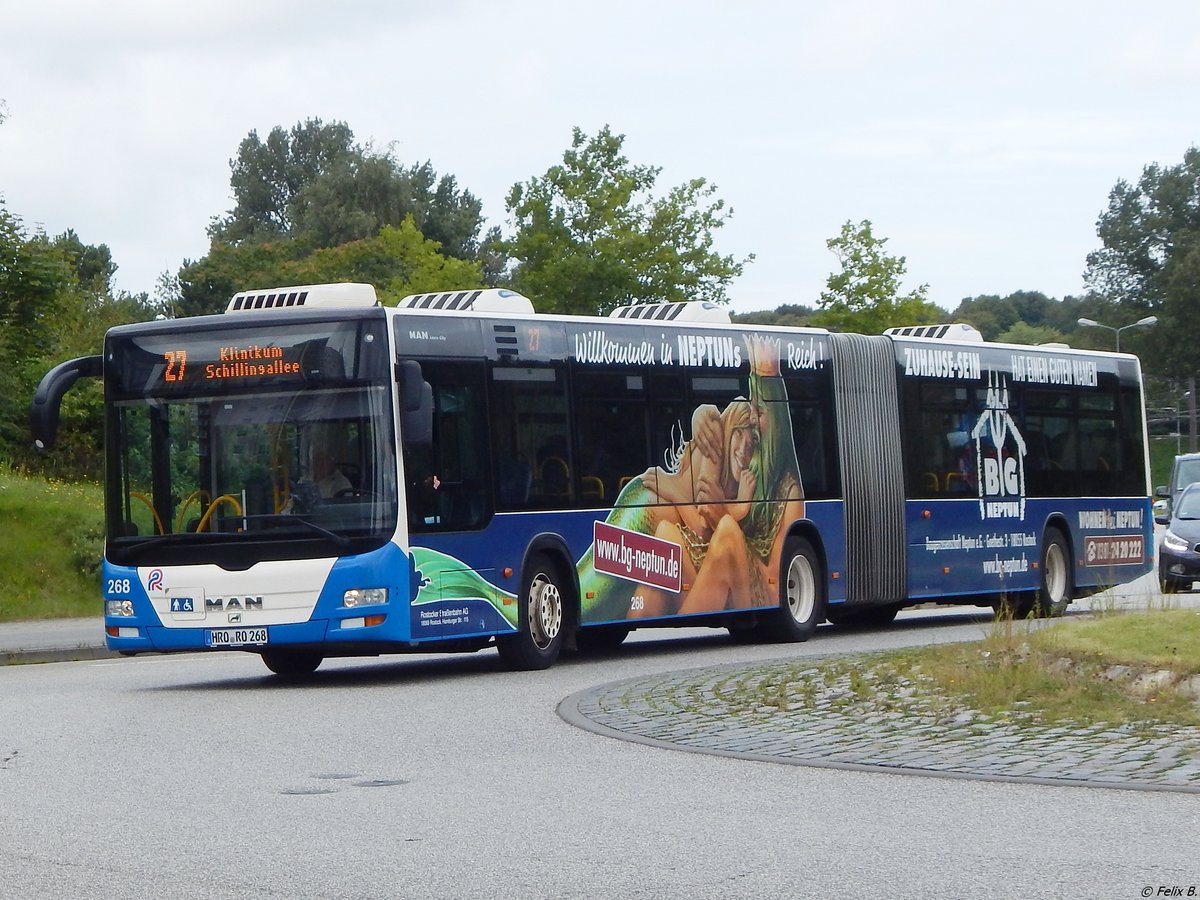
[{"x": 684, "y": 711}]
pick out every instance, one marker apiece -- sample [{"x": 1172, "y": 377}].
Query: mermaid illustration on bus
[
  {"x": 721, "y": 504},
  {"x": 724, "y": 498}
]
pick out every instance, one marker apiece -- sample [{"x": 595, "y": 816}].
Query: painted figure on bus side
[
  {"x": 724, "y": 502},
  {"x": 724, "y": 498}
]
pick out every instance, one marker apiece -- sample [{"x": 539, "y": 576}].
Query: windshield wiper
[
  {"x": 189, "y": 537},
  {"x": 182, "y": 537},
  {"x": 275, "y": 519}
]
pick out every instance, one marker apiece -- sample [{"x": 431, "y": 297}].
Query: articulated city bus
[{"x": 312, "y": 475}]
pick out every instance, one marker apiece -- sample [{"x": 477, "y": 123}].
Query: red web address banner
[{"x": 637, "y": 557}]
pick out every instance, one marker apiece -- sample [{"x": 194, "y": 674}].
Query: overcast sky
[{"x": 981, "y": 139}]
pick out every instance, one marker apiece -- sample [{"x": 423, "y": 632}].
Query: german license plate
[{"x": 236, "y": 637}]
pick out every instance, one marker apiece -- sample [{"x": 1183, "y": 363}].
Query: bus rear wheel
[
  {"x": 292, "y": 663},
  {"x": 801, "y": 596},
  {"x": 540, "y": 618},
  {"x": 1053, "y": 596}
]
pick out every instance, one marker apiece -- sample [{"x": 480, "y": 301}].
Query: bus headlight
[
  {"x": 364, "y": 597},
  {"x": 118, "y": 607}
]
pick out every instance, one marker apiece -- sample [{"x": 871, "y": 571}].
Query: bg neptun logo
[{"x": 999, "y": 456}]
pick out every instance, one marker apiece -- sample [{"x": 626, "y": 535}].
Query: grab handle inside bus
[
  {"x": 416, "y": 403},
  {"x": 43, "y": 411}
]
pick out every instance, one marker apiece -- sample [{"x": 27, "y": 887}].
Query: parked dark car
[
  {"x": 1184, "y": 471},
  {"x": 1179, "y": 553}
]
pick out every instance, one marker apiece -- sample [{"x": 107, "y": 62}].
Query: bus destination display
[{"x": 252, "y": 361}]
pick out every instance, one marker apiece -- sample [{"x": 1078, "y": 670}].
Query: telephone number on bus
[{"x": 1114, "y": 551}]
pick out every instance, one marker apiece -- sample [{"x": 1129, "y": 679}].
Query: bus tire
[
  {"x": 1054, "y": 595},
  {"x": 541, "y": 617},
  {"x": 801, "y": 594},
  {"x": 292, "y": 663}
]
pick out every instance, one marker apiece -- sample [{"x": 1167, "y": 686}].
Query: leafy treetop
[{"x": 590, "y": 234}]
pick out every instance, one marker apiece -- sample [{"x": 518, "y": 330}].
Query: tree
[
  {"x": 314, "y": 185},
  {"x": 590, "y": 235},
  {"x": 1024, "y": 333},
  {"x": 359, "y": 195},
  {"x": 48, "y": 313},
  {"x": 398, "y": 260},
  {"x": 1149, "y": 261},
  {"x": 990, "y": 313},
  {"x": 268, "y": 176},
  {"x": 93, "y": 264},
  {"x": 789, "y": 315},
  {"x": 994, "y": 315},
  {"x": 864, "y": 296}
]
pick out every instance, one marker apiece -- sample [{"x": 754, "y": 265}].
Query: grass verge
[
  {"x": 51, "y": 541},
  {"x": 1136, "y": 669},
  {"x": 1123, "y": 668}
]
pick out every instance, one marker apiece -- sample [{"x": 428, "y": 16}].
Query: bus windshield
[{"x": 242, "y": 445}]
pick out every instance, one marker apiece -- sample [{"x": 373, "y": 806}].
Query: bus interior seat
[
  {"x": 592, "y": 486},
  {"x": 956, "y": 481}
]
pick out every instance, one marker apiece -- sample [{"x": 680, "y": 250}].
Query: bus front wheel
[{"x": 538, "y": 639}]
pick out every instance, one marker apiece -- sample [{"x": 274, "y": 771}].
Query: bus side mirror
[
  {"x": 47, "y": 399},
  {"x": 416, "y": 403}
]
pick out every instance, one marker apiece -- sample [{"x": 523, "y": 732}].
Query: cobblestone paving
[{"x": 714, "y": 710}]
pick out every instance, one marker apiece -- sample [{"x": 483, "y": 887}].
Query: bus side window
[
  {"x": 610, "y": 424},
  {"x": 531, "y": 465}
]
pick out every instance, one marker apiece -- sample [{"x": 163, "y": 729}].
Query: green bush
[{"x": 53, "y": 539}]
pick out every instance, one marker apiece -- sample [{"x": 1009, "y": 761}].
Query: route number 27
[{"x": 176, "y": 365}]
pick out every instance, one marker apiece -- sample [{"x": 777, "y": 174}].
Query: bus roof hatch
[
  {"x": 957, "y": 331},
  {"x": 309, "y": 296},
  {"x": 489, "y": 300},
  {"x": 694, "y": 311}
]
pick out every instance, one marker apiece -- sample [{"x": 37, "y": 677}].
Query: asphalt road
[{"x": 200, "y": 776}]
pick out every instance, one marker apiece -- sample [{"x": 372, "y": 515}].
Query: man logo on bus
[{"x": 999, "y": 456}]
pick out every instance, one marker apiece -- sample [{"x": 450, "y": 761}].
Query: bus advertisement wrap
[{"x": 332, "y": 476}]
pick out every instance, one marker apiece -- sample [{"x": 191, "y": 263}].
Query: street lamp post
[
  {"x": 1092, "y": 323},
  {"x": 1191, "y": 422}
]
